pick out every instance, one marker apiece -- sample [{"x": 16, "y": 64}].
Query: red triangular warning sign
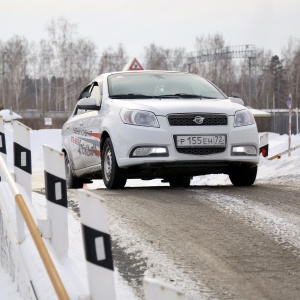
[{"x": 133, "y": 65}]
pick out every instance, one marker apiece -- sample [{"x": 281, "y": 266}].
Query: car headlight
[
  {"x": 138, "y": 117},
  {"x": 243, "y": 118}
]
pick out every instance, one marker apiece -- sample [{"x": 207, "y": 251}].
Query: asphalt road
[{"x": 218, "y": 242}]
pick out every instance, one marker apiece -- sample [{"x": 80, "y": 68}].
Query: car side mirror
[
  {"x": 86, "y": 95},
  {"x": 235, "y": 95},
  {"x": 88, "y": 104},
  {"x": 237, "y": 100}
]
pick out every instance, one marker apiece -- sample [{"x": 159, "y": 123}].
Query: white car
[{"x": 158, "y": 124}]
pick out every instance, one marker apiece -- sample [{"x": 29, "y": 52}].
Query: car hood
[{"x": 163, "y": 107}]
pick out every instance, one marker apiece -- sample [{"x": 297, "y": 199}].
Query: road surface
[{"x": 218, "y": 242}]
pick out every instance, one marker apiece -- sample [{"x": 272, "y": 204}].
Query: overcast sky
[{"x": 168, "y": 23}]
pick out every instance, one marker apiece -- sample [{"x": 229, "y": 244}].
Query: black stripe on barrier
[
  {"x": 89, "y": 241},
  {"x": 56, "y": 189},
  {"x": 22, "y": 158},
  {"x": 3, "y": 144}
]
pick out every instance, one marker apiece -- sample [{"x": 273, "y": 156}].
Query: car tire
[
  {"x": 113, "y": 176},
  {"x": 243, "y": 175},
  {"x": 71, "y": 181},
  {"x": 180, "y": 182}
]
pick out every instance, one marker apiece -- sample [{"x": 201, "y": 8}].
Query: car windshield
[{"x": 161, "y": 85}]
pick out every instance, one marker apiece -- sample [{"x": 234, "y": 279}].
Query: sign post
[
  {"x": 297, "y": 120},
  {"x": 289, "y": 105}
]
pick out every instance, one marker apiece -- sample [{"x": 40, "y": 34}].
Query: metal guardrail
[{"x": 283, "y": 152}]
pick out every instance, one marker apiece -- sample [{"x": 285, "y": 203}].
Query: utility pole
[
  {"x": 290, "y": 121},
  {"x": 3, "y": 72},
  {"x": 250, "y": 81}
]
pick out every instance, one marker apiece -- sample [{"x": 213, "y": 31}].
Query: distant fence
[
  {"x": 278, "y": 122},
  {"x": 36, "y": 119}
]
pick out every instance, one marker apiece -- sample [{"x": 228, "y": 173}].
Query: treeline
[{"x": 49, "y": 75}]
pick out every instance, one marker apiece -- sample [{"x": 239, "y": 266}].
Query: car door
[
  {"x": 88, "y": 132},
  {"x": 72, "y": 131}
]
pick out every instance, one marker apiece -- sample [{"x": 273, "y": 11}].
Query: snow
[
  {"x": 9, "y": 115},
  {"x": 259, "y": 113},
  {"x": 8, "y": 289},
  {"x": 280, "y": 171}
]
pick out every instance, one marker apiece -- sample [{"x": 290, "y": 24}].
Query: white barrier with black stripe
[
  {"x": 2, "y": 144},
  {"x": 57, "y": 204},
  {"x": 264, "y": 145},
  {"x": 22, "y": 169},
  {"x": 97, "y": 246},
  {"x": 154, "y": 290},
  {"x": 22, "y": 156}
]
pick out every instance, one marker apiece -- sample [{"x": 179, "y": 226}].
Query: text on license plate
[{"x": 200, "y": 140}]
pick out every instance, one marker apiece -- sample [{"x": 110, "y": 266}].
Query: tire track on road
[{"x": 282, "y": 226}]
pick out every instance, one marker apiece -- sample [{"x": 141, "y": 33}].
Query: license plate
[{"x": 200, "y": 140}]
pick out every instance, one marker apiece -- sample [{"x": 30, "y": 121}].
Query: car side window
[{"x": 83, "y": 94}]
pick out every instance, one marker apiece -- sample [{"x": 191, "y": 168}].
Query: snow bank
[{"x": 9, "y": 115}]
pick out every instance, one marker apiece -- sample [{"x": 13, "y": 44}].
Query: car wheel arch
[
  {"x": 104, "y": 136},
  {"x": 65, "y": 152}
]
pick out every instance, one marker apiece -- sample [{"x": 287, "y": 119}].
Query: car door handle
[{"x": 81, "y": 123}]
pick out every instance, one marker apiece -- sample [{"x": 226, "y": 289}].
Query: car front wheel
[
  {"x": 243, "y": 175},
  {"x": 113, "y": 176}
]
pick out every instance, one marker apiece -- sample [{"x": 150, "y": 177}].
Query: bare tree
[
  {"x": 50, "y": 75},
  {"x": 291, "y": 55},
  {"x": 160, "y": 58},
  {"x": 62, "y": 35},
  {"x": 46, "y": 71},
  {"x": 262, "y": 86},
  {"x": 220, "y": 71},
  {"x": 111, "y": 60},
  {"x": 17, "y": 51},
  {"x": 84, "y": 60},
  {"x": 3, "y": 53}
]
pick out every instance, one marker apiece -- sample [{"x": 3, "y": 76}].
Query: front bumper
[
  {"x": 127, "y": 137},
  {"x": 148, "y": 171}
]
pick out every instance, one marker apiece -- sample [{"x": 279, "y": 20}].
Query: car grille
[
  {"x": 200, "y": 151},
  {"x": 188, "y": 119}
]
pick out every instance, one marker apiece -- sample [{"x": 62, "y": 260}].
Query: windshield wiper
[
  {"x": 207, "y": 97},
  {"x": 141, "y": 96},
  {"x": 130, "y": 96},
  {"x": 182, "y": 95}
]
